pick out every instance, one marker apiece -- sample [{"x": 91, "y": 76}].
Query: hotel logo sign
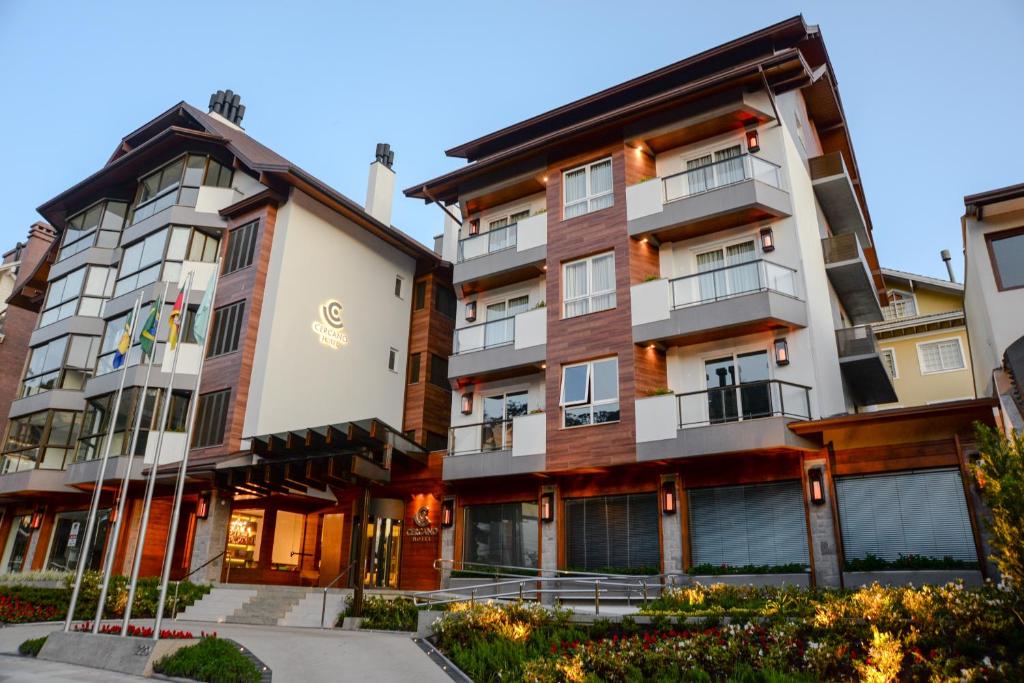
[
  {"x": 330, "y": 329},
  {"x": 422, "y": 531}
]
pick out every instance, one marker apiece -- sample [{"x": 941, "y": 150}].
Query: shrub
[
  {"x": 212, "y": 660},
  {"x": 871, "y": 563},
  {"x": 999, "y": 474},
  {"x": 398, "y": 614},
  {"x": 723, "y": 569},
  {"x": 32, "y": 646}
]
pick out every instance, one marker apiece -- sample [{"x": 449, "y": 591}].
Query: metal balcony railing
[
  {"x": 480, "y": 437},
  {"x": 734, "y": 280},
  {"x": 856, "y": 341},
  {"x": 487, "y": 243},
  {"x": 745, "y": 401},
  {"x": 720, "y": 173},
  {"x": 488, "y": 335}
]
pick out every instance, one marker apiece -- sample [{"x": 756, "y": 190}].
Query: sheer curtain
[
  {"x": 742, "y": 276},
  {"x": 575, "y": 193},
  {"x": 576, "y": 302},
  {"x": 601, "y": 185},
  {"x": 700, "y": 176},
  {"x": 712, "y": 285},
  {"x": 729, "y": 165},
  {"x": 603, "y": 296}
]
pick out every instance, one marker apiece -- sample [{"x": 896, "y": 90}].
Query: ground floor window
[
  {"x": 505, "y": 534},
  {"x": 288, "y": 531},
  {"x": 16, "y": 547},
  {"x": 736, "y": 526},
  {"x": 921, "y": 513},
  {"x": 68, "y": 543},
  {"x": 244, "y": 534},
  {"x": 613, "y": 533}
]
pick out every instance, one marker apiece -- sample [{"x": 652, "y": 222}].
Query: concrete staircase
[
  {"x": 218, "y": 604},
  {"x": 268, "y": 606},
  {"x": 306, "y": 612}
]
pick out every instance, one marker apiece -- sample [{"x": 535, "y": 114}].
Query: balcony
[
  {"x": 504, "y": 256},
  {"x": 862, "y": 366},
  {"x": 497, "y": 448},
  {"x": 726, "y": 302},
  {"x": 839, "y": 202},
  {"x": 847, "y": 270},
  {"x": 720, "y": 195},
  {"x": 733, "y": 419},
  {"x": 500, "y": 348}
]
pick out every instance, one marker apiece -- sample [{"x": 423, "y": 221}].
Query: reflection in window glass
[{"x": 1008, "y": 253}]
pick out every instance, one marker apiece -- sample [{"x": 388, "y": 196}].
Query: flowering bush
[
  {"x": 15, "y": 609},
  {"x": 389, "y": 614},
  {"x": 142, "y": 631},
  {"x": 999, "y": 474}
]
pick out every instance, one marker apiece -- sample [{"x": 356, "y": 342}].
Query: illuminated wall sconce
[
  {"x": 669, "y": 499},
  {"x": 816, "y": 479},
  {"x": 447, "y": 513},
  {"x": 753, "y": 142},
  {"x": 781, "y": 352},
  {"x": 112, "y": 517},
  {"x": 474, "y": 227},
  {"x": 467, "y": 403},
  {"x": 470, "y": 311},
  {"x": 203, "y": 506},
  {"x": 37, "y": 520},
  {"x": 767, "y": 240},
  {"x": 547, "y": 506}
]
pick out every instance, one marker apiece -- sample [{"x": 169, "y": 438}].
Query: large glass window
[
  {"x": 241, "y": 247},
  {"x": 96, "y": 422},
  {"x": 68, "y": 541},
  {"x": 80, "y": 292},
  {"x": 587, "y": 188},
  {"x": 41, "y": 440},
  {"x": 16, "y": 547},
  {"x": 63, "y": 363},
  {"x": 178, "y": 183},
  {"x": 589, "y": 285},
  {"x": 728, "y": 271},
  {"x": 142, "y": 261},
  {"x": 613, "y": 533},
  {"x": 738, "y": 387},
  {"x": 99, "y": 225},
  {"x": 590, "y": 393},
  {"x": 498, "y": 413},
  {"x": 505, "y": 534},
  {"x": 1007, "y": 251},
  {"x": 944, "y": 355},
  {"x": 115, "y": 328},
  {"x": 227, "y": 329},
  {"x": 245, "y": 533}
]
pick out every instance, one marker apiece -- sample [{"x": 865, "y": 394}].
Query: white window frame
[
  {"x": 590, "y": 197},
  {"x": 393, "y": 355},
  {"x": 920, "y": 356},
  {"x": 909, "y": 295},
  {"x": 589, "y": 296},
  {"x": 589, "y": 401},
  {"x": 892, "y": 354}
]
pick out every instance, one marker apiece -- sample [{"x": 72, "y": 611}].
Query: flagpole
[
  {"x": 151, "y": 482},
  {"x": 179, "y": 491},
  {"x": 108, "y": 565},
  {"x": 90, "y": 524}
]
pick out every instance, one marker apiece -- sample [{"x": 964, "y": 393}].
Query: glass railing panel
[
  {"x": 487, "y": 243},
  {"x": 743, "y": 402},
  {"x": 734, "y": 280},
  {"x": 720, "y": 173},
  {"x": 501, "y": 332},
  {"x": 481, "y": 437}
]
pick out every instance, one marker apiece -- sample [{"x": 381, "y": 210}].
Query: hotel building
[
  {"x": 325, "y": 368},
  {"x": 664, "y": 358}
]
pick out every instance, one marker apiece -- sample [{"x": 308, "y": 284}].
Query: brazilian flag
[{"x": 147, "y": 338}]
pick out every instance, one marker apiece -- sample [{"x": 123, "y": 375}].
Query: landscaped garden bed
[
  {"x": 385, "y": 614},
  {"x": 211, "y": 659}
]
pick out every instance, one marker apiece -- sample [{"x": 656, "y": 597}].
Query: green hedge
[
  {"x": 873, "y": 563},
  {"x": 32, "y": 646},
  {"x": 398, "y": 614},
  {"x": 212, "y": 660},
  {"x": 725, "y": 569}
]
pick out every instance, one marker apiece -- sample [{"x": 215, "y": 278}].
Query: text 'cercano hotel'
[{"x": 663, "y": 357}]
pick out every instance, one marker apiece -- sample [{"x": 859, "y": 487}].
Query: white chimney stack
[{"x": 380, "y": 187}]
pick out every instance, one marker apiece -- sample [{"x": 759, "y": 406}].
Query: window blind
[{"x": 619, "y": 532}]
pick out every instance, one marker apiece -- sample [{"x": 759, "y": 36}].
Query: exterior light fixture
[
  {"x": 447, "y": 513},
  {"x": 753, "y": 142},
  {"x": 112, "y": 517},
  {"x": 669, "y": 501},
  {"x": 816, "y": 479},
  {"x": 467, "y": 403},
  {"x": 37, "y": 520},
  {"x": 474, "y": 227},
  {"x": 767, "y": 240},
  {"x": 203, "y": 506},
  {"x": 547, "y": 506},
  {"x": 471, "y": 311},
  {"x": 781, "y": 352}
]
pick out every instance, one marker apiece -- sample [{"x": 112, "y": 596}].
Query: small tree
[{"x": 999, "y": 473}]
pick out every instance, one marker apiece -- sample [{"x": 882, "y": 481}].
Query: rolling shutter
[
  {"x": 619, "y": 532},
  {"x": 912, "y": 513},
  {"x": 748, "y": 525}
]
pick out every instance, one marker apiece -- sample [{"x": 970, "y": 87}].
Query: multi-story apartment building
[
  {"x": 663, "y": 353},
  {"x": 993, "y": 229},
  {"x": 923, "y": 340},
  {"x": 323, "y": 314}
]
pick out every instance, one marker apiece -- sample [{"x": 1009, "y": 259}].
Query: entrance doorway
[
  {"x": 330, "y": 547},
  {"x": 384, "y": 542}
]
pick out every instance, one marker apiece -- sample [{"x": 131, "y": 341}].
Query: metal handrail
[
  {"x": 744, "y": 163},
  {"x": 511, "y": 240},
  {"x": 493, "y": 323},
  {"x": 177, "y": 584},
  {"x": 323, "y": 607},
  {"x": 766, "y": 281},
  {"x": 774, "y": 410}
]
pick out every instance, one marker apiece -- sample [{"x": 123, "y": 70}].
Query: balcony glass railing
[
  {"x": 488, "y": 242},
  {"x": 734, "y": 280},
  {"x": 481, "y": 437},
  {"x": 741, "y": 402},
  {"x": 720, "y": 173},
  {"x": 488, "y": 335}
]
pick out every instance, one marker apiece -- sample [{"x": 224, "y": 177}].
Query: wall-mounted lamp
[
  {"x": 471, "y": 311},
  {"x": 547, "y": 506},
  {"x": 447, "y": 513},
  {"x": 753, "y": 142},
  {"x": 37, "y": 520},
  {"x": 669, "y": 501},
  {"x": 767, "y": 240},
  {"x": 203, "y": 506},
  {"x": 467, "y": 403},
  {"x": 112, "y": 516},
  {"x": 816, "y": 479},
  {"x": 781, "y": 352},
  {"x": 474, "y": 227}
]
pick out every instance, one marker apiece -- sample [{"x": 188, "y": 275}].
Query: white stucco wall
[{"x": 297, "y": 381}]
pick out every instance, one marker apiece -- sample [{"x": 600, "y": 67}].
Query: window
[
  {"x": 889, "y": 360},
  {"x": 497, "y": 425},
  {"x": 436, "y": 441},
  {"x": 420, "y": 295},
  {"x": 398, "y": 286},
  {"x": 439, "y": 372},
  {"x": 500, "y": 327},
  {"x": 141, "y": 261},
  {"x": 99, "y": 225},
  {"x": 227, "y": 328},
  {"x": 108, "y": 343},
  {"x": 589, "y": 285},
  {"x": 944, "y": 355},
  {"x": 414, "y": 368},
  {"x": 63, "y": 363},
  {"x": 612, "y": 533},
  {"x": 1006, "y": 250},
  {"x": 68, "y": 543},
  {"x": 169, "y": 186},
  {"x": 444, "y": 301},
  {"x": 587, "y": 188},
  {"x": 211, "y": 419},
  {"x": 41, "y": 440},
  {"x": 729, "y": 271},
  {"x": 709, "y": 171},
  {"x": 96, "y": 421},
  {"x": 393, "y": 359},
  {"x": 901, "y": 305},
  {"x": 505, "y": 534},
  {"x": 18, "y": 542},
  {"x": 590, "y": 393},
  {"x": 80, "y": 292},
  {"x": 241, "y": 247}
]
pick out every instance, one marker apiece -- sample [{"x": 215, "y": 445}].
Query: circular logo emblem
[
  {"x": 331, "y": 312},
  {"x": 422, "y": 518}
]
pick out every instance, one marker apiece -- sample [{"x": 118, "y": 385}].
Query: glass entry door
[
  {"x": 737, "y": 387},
  {"x": 498, "y": 413},
  {"x": 384, "y": 543},
  {"x": 16, "y": 548}
]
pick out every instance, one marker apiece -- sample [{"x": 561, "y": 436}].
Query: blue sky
[{"x": 932, "y": 90}]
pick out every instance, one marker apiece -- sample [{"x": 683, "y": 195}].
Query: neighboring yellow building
[{"x": 923, "y": 340}]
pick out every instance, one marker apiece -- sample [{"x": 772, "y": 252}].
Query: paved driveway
[{"x": 294, "y": 654}]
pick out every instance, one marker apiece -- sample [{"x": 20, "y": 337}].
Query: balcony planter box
[
  {"x": 917, "y": 577},
  {"x": 802, "y": 579}
]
